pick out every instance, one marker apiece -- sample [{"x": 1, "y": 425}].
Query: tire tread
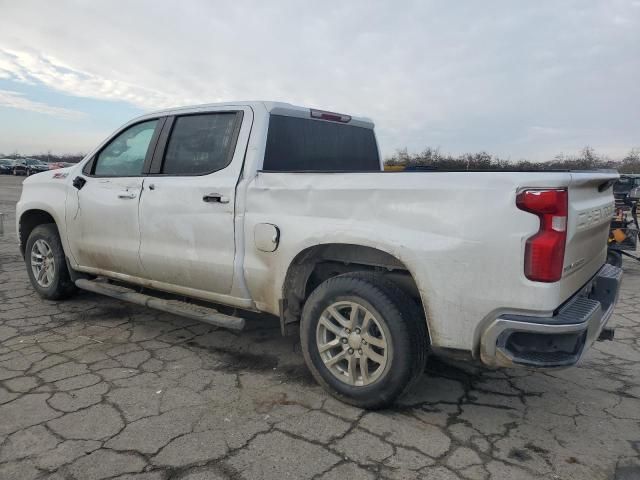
[
  {"x": 64, "y": 286},
  {"x": 390, "y": 298}
]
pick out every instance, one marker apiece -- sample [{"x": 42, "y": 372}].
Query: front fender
[{"x": 46, "y": 193}]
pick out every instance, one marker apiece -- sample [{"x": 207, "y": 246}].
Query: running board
[{"x": 184, "y": 309}]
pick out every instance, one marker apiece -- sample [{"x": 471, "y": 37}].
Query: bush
[{"x": 588, "y": 159}]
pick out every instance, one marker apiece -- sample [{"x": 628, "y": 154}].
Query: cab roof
[{"x": 275, "y": 108}]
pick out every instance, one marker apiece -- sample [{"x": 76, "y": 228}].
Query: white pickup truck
[{"x": 269, "y": 207}]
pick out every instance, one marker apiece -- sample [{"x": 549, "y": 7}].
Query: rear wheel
[
  {"x": 46, "y": 263},
  {"x": 363, "y": 339}
]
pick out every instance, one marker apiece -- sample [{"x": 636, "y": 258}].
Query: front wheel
[
  {"x": 46, "y": 263},
  {"x": 363, "y": 339}
]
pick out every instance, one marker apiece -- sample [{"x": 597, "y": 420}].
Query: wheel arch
[
  {"x": 29, "y": 220},
  {"x": 318, "y": 263}
]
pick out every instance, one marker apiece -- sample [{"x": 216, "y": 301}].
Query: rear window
[{"x": 299, "y": 144}]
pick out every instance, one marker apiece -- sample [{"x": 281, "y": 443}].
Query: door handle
[
  {"x": 127, "y": 195},
  {"x": 215, "y": 198}
]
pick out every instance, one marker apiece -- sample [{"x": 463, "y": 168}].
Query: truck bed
[{"x": 460, "y": 235}]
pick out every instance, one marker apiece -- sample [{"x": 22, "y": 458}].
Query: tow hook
[{"x": 606, "y": 334}]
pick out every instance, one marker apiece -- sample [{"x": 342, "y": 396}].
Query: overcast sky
[{"x": 518, "y": 79}]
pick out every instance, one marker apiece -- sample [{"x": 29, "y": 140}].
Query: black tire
[
  {"x": 405, "y": 324},
  {"x": 61, "y": 285},
  {"x": 614, "y": 258}
]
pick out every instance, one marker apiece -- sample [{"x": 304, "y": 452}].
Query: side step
[{"x": 184, "y": 309}]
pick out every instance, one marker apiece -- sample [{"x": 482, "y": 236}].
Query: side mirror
[{"x": 79, "y": 182}]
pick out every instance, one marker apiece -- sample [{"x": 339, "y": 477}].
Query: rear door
[{"x": 187, "y": 210}]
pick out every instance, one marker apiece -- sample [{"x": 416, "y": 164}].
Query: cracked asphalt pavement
[{"x": 93, "y": 388}]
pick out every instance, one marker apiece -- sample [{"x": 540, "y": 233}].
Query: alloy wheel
[
  {"x": 42, "y": 263},
  {"x": 353, "y": 344}
]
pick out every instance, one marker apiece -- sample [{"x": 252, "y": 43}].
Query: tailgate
[{"x": 591, "y": 206}]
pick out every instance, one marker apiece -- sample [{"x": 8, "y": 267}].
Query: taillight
[
  {"x": 331, "y": 116},
  {"x": 544, "y": 251}
]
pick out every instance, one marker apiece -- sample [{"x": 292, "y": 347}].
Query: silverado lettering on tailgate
[{"x": 595, "y": 216}]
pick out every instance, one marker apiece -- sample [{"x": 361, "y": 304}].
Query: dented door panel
[{"x": 187, "y": 241}]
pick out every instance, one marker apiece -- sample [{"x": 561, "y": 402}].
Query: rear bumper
[{"x": 559, "y": 340}]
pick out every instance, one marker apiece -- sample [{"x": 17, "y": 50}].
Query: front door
[
  {"x": 102, "y": 207},
  {"x": 187, "y": 209}
]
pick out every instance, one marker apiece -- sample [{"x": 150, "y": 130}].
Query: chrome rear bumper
[{"x": 559, "y": 340}]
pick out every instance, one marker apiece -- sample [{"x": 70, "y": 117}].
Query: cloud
[
  {"x": 462, "y": 75},
  {"x": 17, "y": 100},
  {"x": 46, "y": 70}
]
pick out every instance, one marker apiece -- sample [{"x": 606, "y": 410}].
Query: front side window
[
  {"x": 200, "y": 144},
  {"x": 124, "y": 156}
]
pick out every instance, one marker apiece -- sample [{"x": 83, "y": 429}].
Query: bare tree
[{"x": 587, "y": 159}]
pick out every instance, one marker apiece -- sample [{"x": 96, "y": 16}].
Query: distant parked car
[
  {"x": 29, "y": 166},
  {"x": 57, "y": 165},
  {"x": 6, "y": 166},
  {"x": 623, "y": 188}
]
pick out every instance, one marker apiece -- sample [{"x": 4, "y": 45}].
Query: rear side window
[
  {"x": 200, "y": 144},
  {"x": 299, "y": 144}
]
